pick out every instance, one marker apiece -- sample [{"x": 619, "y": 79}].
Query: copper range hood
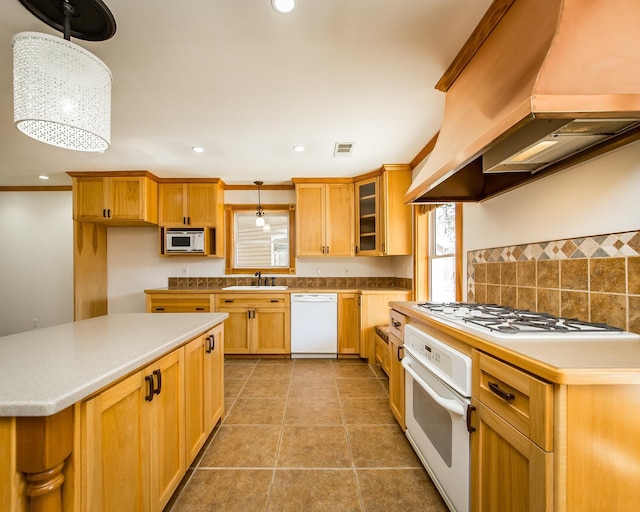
[{"x": 552, "y": 84}]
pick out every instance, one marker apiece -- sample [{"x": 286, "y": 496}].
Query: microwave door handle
[{"x": 450, "y": 405}]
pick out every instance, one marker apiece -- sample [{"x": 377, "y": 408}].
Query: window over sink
[{"x": 252, "y": 248}]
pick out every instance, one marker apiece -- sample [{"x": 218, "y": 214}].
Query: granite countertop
[
  {"x": 562, "y": 361},
  {"x": 46, "y": 370}
]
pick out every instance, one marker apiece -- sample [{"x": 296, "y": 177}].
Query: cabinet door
[
  {"x": 272, "y": 331},
  {"x": 348, "y": 323},
  {"x": 214, "y": 378},
  {"x": 396, "y": 380},
  {"x": 310, "y": 223},
  {"x": 173, "y": 204},
  {"x": 395, "y": 225},
  {"x": 509, "y": 472},
  {"x": 166, "y": 429},
  {"x": 194, "y": 397},
  {"x": 339, "y": 240},
  {"x": 201, "y": 204},
  {"x": 236, "y": 339},
  {"x": 89, "y": 198},
  {"x": 125, "y": 198},
  {"x": 115, "y": 464},
  {"x": 367, "y": 217}
]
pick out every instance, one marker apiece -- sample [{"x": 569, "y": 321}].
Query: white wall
[
  {"x": 601, "y": 196},
  {"x": 36, "y": 260},
  {"x": 134, "y": 264}
]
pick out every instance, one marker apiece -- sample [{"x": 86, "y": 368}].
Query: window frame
[
  {"x": 422, "y": 257},
  {"x": 229, "y": 213}
]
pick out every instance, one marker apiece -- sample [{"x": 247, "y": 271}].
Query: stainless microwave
[{"x": 189, "y": 241}]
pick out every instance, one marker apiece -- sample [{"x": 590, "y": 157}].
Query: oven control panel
[{"x": 451, "y": 365}]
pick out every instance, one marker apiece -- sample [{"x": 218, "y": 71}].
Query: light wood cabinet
[
  {"x": 396, "y": 380},
  {"x": 382, "y": 350},
  {"x": 133, "y": 444},
  {"x": 324, "y": 218},
  {"x": 196, "y": 203},
  {"x": 204, "y": 389},
  {"x": 127, "y": 198},
  {"x": 383, "y": 221},
  {"x": 512, "y": 447},
  {"x": 374, "y": 310},
  {"x": 180, "y": 302},
  {"x": 193, "y": 203},
  {"x": 348, "y": 323},
  {"x": 257, "y": 323}
]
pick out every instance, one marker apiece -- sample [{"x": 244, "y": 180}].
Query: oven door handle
[{"x": 452, "y": 406}]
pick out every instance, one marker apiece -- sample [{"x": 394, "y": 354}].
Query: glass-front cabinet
[{"x": 367, "y": 217}]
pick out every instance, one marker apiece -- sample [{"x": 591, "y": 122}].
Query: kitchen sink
[{"x": 253, "y": 287}]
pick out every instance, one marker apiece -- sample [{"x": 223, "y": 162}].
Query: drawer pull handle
[
  {"x": 228, "y": 300},
  {"x": 149, "y": 396},
  {"x": 396, "y": 324},
  {"x": 501, "y": 392},
  {"x": 199, "y": 309},
  {"x": 158, "y": 389},
  {"x": 159, "y": 309},
  {"x": 275, "y": 300},
  {"x": 400, "y": 357}
]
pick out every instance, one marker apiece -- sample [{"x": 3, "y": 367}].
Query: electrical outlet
[{"x": 185, "y": 270}]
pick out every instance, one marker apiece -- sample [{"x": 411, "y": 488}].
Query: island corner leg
[{"x": 42, "y": 446}]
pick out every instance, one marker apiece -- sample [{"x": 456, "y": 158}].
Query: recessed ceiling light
[
  {"x": 43, "y": 177},
  {"x": 197, "y": 149},
  {"x": 283, "y": 6},
  {"x": 299, "y": 149}
]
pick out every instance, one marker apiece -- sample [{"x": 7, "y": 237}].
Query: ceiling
[{"x": 247, "y": 84}]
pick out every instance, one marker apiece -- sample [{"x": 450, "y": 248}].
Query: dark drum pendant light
[{"x": 62, "y": 92}]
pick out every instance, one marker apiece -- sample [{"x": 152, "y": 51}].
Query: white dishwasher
[{"x": 314, "y": 325}]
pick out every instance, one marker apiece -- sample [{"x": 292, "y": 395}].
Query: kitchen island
[{"x": 145, "y": 387}]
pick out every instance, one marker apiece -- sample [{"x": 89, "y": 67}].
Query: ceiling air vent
[{"x": 343, "y": 149}]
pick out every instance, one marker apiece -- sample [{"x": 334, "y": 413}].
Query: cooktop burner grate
[{"x": 507, "y": 320}]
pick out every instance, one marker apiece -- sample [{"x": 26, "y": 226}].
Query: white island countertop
[{"x": 46, "y": 370}]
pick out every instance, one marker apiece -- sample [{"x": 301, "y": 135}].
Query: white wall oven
[{"x": 437, "y": 394}]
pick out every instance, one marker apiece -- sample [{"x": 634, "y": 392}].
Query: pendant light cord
[{"x": 67, "y": 11}]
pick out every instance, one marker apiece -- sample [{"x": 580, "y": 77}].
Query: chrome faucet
[{"x": 259, "y": 274}]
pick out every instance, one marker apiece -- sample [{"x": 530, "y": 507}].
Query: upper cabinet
[
  {"x": 194, "y": 203},
  {"x": 190, "y": 203},
  {"x": 383, "y": 221},
  {"x": 324, "y": 217},
  {"x": 126, "y": 198}
]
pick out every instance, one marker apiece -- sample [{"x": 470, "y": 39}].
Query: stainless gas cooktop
[{"x": 505, "y": 322}]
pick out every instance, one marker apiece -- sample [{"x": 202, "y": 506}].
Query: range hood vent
[{"x": 552, "y": 84}]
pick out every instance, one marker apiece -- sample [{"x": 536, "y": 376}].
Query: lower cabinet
[
  {"x": 396, "y": 380},
  {"x": 257, "y": 324},
  {"x": 139, "y": 435},
  {"x": 204, "y": 388},
  {"x": 512, "y": 447},
  {"x": 511, "y": 472},
  {"x": 348, "y": 323},
  {"x": 179, "y": 302},
  {"x": 133, "y": 440}
]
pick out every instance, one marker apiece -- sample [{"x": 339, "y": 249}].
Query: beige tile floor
[{"x": 306, "y": 435}]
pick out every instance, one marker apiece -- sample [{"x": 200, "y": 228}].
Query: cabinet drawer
[
  {"x": 179, "y": 303},
  {"x": 265, "y": 300},
  {"x": 522, "y": 400},
  {"x": 396, "y": 324}
]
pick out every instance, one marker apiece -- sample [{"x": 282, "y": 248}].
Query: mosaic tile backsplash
[{"x": 595, "y": 278}]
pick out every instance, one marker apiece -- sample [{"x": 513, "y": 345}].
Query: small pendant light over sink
[
  {"x": 259, "y": 210},
  {"x": 62, "y": 92}
]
